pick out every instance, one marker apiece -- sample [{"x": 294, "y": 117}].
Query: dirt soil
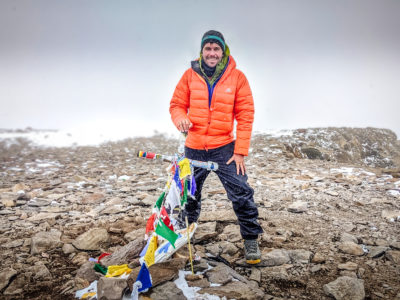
[{"x": 303, "y": 204}]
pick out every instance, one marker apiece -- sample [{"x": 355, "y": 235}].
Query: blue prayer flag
[
  {"x": 164, "y": 248},
  {"x": 177, "y": 179},
  {"x": 144, "y": 277},
  {"x": 193, "y": 186}
]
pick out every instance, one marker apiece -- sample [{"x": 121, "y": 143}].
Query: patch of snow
[
  {"x": 44, "y": 165},
  {"x": 395, "y": 193},
  {"x": 15, "y": 169},
  {"x": 49, "y": 172},
  {"x": 123, "y": 178},
  {"x": 368, "y": 173},
  {"x": 80, "y": 184},
  {"x": 91, "y": 288},
  {"x": 343, "y": 170},
  {"x": 215, "y": 284},
  {"x": 191, "y": 292}
]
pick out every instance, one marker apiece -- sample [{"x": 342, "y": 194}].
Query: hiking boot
[{"x": 252, "y": 252}]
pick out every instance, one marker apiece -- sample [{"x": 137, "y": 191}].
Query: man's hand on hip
[
  {"x": 184, "y": 125},
  {"x": 239, "y": 160}
]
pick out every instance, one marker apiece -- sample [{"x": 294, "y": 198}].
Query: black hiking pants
[{"x": 236, "y": 186}]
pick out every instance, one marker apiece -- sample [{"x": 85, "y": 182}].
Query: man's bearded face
[{"x": 212, "y": 54}]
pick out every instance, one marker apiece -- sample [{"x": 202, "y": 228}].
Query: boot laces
[{"x": 252, "y": 246}]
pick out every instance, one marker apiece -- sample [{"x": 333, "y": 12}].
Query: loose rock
[
  {"x": 205, "y": 231},
  {"x": 234, "y": 290},
  {"x": 345, "y": 287},
  {"x": 275, "y": 257},
  {"x": 168, "y": 290},
  {"x": 298, "y": 207},
  {"x": 91, "y": 240},
  {"x": 43, "y": 241},
  {"x": 351, "y": 248},
  {"x": 5, "y": 276},
  {"x": 111, "y": 288}
]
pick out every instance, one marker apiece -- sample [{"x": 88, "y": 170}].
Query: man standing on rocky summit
[{"x": 207, "y": 99}]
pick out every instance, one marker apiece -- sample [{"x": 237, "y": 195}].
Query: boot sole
[{"x": 253, "y": 262}]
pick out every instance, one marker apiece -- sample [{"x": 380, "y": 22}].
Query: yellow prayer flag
[
  {"x": 118, "y": 270},
  {"x": 149, "y": 257},
  {"x": 88, "y": 295},
  {"x": 184, "y": 166}
]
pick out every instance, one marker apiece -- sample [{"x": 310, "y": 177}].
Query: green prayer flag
[
  {"x": 101, "y": 269},
  {"x": 184, "y": 196},
  {"x": 165, "y": 232},
  {"x": 160, "y": 201}
]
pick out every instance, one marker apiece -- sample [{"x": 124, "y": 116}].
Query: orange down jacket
[{"x": 213, "y": 125}]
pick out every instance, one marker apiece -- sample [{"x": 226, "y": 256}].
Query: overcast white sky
[{"x": 115, "y": 64}]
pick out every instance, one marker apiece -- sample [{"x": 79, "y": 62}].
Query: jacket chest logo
[{"x": 228, "y": 90}]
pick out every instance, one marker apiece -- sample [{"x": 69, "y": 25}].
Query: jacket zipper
[{"x": 210, "y": 94}]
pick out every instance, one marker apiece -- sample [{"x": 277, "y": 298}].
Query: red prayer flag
[
  {"x": 150, "y": 223},
  {"x": 164, "y": 216}
]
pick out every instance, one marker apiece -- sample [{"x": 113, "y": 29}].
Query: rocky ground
[{"x": 332, "y": 228}]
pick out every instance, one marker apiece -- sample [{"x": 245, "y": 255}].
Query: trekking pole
[
  {"x": 190, "y": 248},
  {"x": 209, "y": 165},
  {"x": 181, "y": 151}
]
